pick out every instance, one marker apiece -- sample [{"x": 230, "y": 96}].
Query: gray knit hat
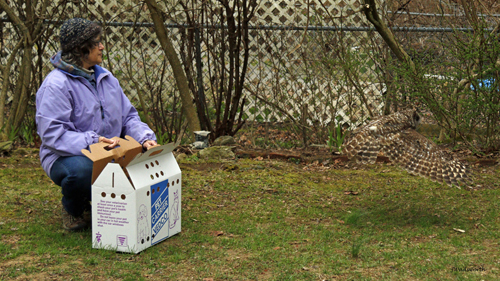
[{"x": 76, "y": 31}]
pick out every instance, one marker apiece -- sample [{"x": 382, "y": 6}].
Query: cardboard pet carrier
[{"x": 136, "y": 197}]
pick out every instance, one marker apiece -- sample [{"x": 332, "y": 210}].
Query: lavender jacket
[{"x": 71, "y": 114}]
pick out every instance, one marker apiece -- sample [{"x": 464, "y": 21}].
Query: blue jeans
[{"x": 74, "y": 175}]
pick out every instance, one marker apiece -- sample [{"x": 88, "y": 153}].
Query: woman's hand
[
  {"x": 148, "y": 144},
  {"x": 112, "y": 143}
]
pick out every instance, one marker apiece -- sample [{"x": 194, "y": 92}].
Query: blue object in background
[{"x": 485, "y": 83}]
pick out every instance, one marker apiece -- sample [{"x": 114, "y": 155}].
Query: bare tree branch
[{"x": 180, "y": 76}]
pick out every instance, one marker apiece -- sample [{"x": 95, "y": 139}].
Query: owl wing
[
  {"x": 420, "y": 156},
  {"x": 364, "y": 142},
  {"x": 363, "y": 145}
]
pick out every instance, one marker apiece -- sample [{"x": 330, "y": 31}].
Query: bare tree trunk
[
  {"x": 5, "y": 86},
  {"x": 30, "y": 29},
  {"x": 20, "y": 98},
  {"x": 226, "y": 62},
  {"x": 180, "y": 76}
]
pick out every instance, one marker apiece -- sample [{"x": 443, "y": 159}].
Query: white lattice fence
[{"x": 291, "y": 68}]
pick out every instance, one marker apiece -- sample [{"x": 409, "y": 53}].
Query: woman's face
[{"x": 95, "y": 55}]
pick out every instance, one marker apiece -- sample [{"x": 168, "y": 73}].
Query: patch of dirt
[
  {"x": 232, "y": 255},
  {"x": 201, "y": 166},
  {"x": 19, "y": 261},
  {"x": 39, "y": 276},
  {"x": 11, "y": 240}
]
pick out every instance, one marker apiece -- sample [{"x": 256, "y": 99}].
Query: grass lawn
[{"x": 268, "y": 220}]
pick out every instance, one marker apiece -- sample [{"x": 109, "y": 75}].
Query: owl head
[{"x": 413, "y": 117}]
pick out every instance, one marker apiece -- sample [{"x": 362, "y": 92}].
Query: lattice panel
[
  {"x": 299, "y": 13},
  {"x": 298, "y": 71}
]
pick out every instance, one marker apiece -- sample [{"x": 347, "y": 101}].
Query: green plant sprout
[{"x": 336, "y": 140}]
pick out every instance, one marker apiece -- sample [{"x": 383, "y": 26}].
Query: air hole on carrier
[
  {"x": 113, "y": 195},
  {"x": 177, "y": 180},
  {"x": 158, "y": 189},
  {"x": 157, "y": 175},
  {"x": 161, "y": 172},
  {"x": 103, "y": 194},
  {"x": 157, "y": 162},
  {"x": 123, "y": 196},
  {"x": 152, "y": 165},
  {"x": 147, "y": 166},
  {"x": 152, "y": 177}
]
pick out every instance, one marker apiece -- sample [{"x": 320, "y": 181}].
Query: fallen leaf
[
  {"x": 217, "y": 233},
  {"x": 351, "y": 192},
  {"x": 459, "y": 230},
  {"x": 276, "y": 248},
  {"x": 298, "y": 242},
  {"x": 208, "y": 279}
]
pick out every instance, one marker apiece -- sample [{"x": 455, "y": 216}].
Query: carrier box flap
[
  {"x": 155, "y": 151},
  {"x": 101, "y": 155}
]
